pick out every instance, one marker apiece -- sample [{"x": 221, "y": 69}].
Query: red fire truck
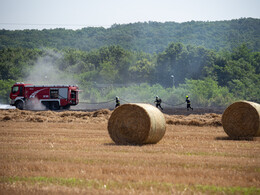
[{"x": 53, "y": 97}]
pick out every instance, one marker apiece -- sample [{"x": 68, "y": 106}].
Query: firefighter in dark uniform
[
  {"x": 188, "y": 103},
  {"x": 158, "y": 102},
  {"x": 117, "y": 102}
]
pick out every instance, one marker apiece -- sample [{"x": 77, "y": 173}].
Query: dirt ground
[{"x": 71, "y": 152}]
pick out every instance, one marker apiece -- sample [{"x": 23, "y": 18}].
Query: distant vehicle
[{"x": 53, "y": 97}]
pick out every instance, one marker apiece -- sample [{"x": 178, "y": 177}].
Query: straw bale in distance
[
  {"x": 242, "y": 119},
  {"x": 136, "y": 124}
]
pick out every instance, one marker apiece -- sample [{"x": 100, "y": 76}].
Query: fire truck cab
[{"x": 53, "y": 97}]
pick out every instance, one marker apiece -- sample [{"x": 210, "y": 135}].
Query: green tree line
[
  {"x": 149, "y": 37},
  {"x": 211, "y": 78}
]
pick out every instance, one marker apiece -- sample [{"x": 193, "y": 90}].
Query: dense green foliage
[
  {"x": 5, "y": 88},
  {"x": 147, "y": 37},
  {"x": 210, "y": 78},
  {"x": 215, "y": 63}
]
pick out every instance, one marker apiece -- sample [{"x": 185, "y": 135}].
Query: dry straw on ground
[
  {"x": 136, "y": 124},
  {"x": 242, "y": 119}
]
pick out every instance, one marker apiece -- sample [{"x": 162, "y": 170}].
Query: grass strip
[
  {"x": 146, "y": 185},
  {"x": 227, "y": 190}
]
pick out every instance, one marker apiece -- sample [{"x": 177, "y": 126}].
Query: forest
[
  {"x": 149, "y": 37},
  {"x": 215, "y": 63}
]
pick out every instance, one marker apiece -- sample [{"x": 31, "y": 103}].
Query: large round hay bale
[
  {"x": 242, "y": 119},
  {"x": 136, "y": 124}
]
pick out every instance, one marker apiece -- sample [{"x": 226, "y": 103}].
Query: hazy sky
[{"x": 76, "y": 14}]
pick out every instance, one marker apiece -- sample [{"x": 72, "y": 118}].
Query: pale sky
[{"x": 77, "y": 14}]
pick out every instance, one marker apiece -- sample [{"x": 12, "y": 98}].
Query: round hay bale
[
  {"x": 136, "y": 124},
  {"x": 242, "y": 119}
]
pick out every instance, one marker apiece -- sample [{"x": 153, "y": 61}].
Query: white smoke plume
[
  {"x": 46, "y": 72},
  {"x": 34, "y": 104},
  {"x": 6, "y": 106}
]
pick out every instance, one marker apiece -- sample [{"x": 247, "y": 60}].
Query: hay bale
[
  {"x": 242, "y": 119},
  {"x": 136, "y": 124}
]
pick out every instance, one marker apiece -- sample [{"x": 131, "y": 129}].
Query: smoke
[
  {"x": 46, "y": 71},
  {"x": 6, "y": 106},
  {"x": 34, "y": 104}
]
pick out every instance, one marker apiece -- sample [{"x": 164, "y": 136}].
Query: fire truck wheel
[
  {"x": 55, "y": 106},
  {"x": 19, "y": 105},
  {"x": 67, "y": 107}
]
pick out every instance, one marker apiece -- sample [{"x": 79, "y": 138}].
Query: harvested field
[
  {"x": 71, "y": 152},
  {"x": 210, "y": 119}
]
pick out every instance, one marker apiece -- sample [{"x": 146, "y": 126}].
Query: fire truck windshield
[{"x": 15, "y": 89}]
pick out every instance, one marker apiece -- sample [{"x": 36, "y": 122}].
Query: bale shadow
[
  {"x": 237, "y": 138},
  {"x": 125, "y": 144},
  {"x": 110, "y": 144}
]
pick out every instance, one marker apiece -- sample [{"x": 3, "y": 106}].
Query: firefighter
[
  {"x": 188, "y": 103},
  {"x": 117, "y": 102},
  {"x": 158, "y": 102}
]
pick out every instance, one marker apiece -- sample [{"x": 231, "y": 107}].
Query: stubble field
[{"x": 71, "y": 153}]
